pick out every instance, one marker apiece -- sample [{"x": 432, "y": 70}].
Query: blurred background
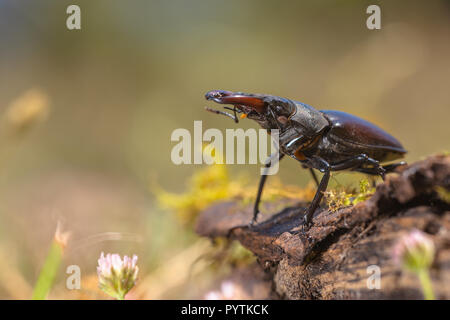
[{"x": 86, "y": 115}]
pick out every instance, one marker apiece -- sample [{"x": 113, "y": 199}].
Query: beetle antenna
[
  {"x": 234, "y": 117},
  {"x": 235, "y": 111}
]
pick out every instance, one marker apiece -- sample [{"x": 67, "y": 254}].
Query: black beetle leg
[
  {"x": 387, "y": 168},
  {"x": 262, "y": 181},
  {"x": 357, "y": 162},
  {"x": 324, "y": 167},
  {"x": 391, "y": 167},
  {"x": 370, "y": 171}
]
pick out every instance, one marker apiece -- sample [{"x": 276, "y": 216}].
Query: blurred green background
[{"x": 114, "y": 91}]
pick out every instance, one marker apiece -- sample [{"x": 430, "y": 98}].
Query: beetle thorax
[{"x": 308, "y": 121}]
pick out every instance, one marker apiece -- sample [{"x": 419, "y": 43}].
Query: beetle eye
[{"x": 282, "y": 119}]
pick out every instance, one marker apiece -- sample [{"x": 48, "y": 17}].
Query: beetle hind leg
[
  {"x": 392, "y": 167},
  {"x": 357, "y": 164},
  {"x": 375, "y": 170}
]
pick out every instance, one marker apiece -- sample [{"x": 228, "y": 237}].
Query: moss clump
[{"x": 337, "y": 199}]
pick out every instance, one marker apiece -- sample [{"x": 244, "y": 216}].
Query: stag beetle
[{"x": 325, "y": 140}]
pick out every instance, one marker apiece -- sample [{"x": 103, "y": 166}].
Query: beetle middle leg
[
  {"x": 326, "y": 168},
  {"x": 262, "y": 181}
]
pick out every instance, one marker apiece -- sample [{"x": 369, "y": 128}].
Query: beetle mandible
[{"x": 324, "y": 140}]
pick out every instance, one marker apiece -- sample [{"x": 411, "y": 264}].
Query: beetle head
[{"x": 271, "y": 112}]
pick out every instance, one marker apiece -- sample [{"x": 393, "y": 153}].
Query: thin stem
[{"x": 425, "y": 280}]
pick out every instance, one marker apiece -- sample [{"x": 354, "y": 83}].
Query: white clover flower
[
  {"x": 414, "y": 251},
  {"x": 116, "y": 276}
]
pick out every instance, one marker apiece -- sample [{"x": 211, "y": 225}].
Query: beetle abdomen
[{"x": 357, "y": 132}]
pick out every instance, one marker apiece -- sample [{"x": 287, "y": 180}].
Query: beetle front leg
[{"x": 262, "y": 181}]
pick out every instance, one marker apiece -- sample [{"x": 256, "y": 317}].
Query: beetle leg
[
  {"x": 371, "y": 171},
  {"x": 262, "y": 181},
  {"x": 324, "y": 167},
  {"x": 357, "y": 162},
  {"x": 391, "y": 167},
  {"x": 388, "y": 168}
]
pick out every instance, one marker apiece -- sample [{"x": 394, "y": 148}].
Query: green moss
[
  {"x": 337, "y": 199},
  {"x": 443, "y": 193},
  {"x": 214, "y": 183}
]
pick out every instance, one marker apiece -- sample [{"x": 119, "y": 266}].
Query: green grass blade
[{"x": 48, "y": 272}]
